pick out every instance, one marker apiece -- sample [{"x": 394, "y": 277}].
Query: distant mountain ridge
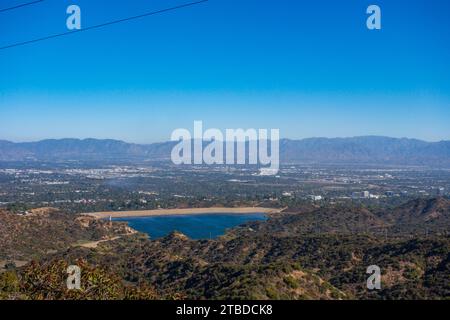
[
  {"x": 355, "y": 150},
  {"x": 366, "y": 149}
]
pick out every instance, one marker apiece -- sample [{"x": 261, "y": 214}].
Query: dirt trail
[{"x": 94, "y": 244}]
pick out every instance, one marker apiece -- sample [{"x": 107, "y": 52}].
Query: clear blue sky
[{"x": 309, "y": 68}]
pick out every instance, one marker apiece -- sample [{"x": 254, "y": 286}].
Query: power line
[
  {"x": 21, "y": 5},
  {"x": 103, "y": 24}
]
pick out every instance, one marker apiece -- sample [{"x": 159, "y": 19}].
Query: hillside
[
  {"x": 416, "y": 217},
  {"x": 320, "y": 253},
  {"x": 48, "y": 230},
  {"x": 421, "y": 215},
  {"x": 46, "y": 281}
]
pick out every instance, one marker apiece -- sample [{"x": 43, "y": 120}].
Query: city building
[{"x": 361, "y": 195}]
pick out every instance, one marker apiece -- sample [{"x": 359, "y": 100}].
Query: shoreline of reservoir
[{"x": 174, "y": 212}]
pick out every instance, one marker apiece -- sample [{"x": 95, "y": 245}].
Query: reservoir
[{"x": 195, "y": 226}]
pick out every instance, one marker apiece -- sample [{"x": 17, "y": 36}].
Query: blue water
[{"x": 201, "y": 226}]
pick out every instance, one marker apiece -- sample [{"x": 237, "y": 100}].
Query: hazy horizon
[{"x": 168, "y": 140}]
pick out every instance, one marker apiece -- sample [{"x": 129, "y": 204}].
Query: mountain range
[{"x": 355, "y": 150}]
